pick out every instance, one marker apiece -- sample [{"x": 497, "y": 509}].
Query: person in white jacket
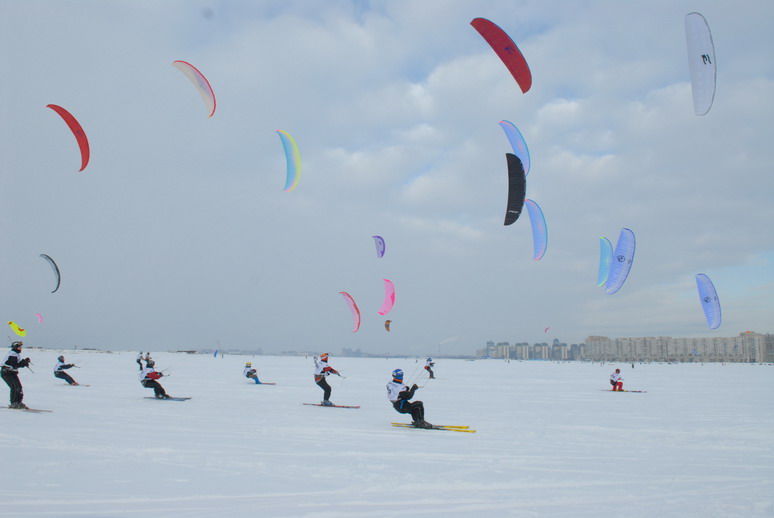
[
  {"x": 250, "y": 373},
  {"x": 59, "y": 370},
  {"x": 399, "y": 395},
  {"x": 321, "y": 371},
  {"x": 429, "y": 364},
  {"x": 616, "y": 380}
]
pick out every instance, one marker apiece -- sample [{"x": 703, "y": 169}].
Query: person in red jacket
[{"x": 149, "y": 379}]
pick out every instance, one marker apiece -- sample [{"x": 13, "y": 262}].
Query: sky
[{"x": 178, "y": 234}]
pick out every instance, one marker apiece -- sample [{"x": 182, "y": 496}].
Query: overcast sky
[{"x": 178, "y": 235}]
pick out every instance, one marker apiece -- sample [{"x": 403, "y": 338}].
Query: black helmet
[
  {"x": 149, "y": 363},
  {"x": 61, "y": 359},
  {"x": 16, "y": 345}
]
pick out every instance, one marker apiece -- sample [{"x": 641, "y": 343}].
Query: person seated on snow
[
  {"x": 10, "y": 374},
  {"x": 251, "y": 373},
  {"x": 616, "y": 380},
  {"x": 149, "y": 377},
  {"x": 400, "y": 394},
  {"x": 321, "y": 371},
  {"x": 59, "y": 371}
]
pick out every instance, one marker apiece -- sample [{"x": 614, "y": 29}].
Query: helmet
[
  {"x": 429, "y": 359},
  {"x": 61, "y": 359},
  {"x": 248, "y": 364},
  {"x": 16, "y": 345},
  {"x": 149, "y": 363},
  {"x": 397, "y": 374},
  {"x": 324, "y": 357},
  {"x": 618, "y": 370}
]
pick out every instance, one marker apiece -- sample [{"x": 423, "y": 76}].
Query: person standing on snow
[
  {"x": 139, "y": 361},
  {"x": 149, "y": 377},
  {"x": 429, "y": 364},
  {"x": 400, "y": 394},
  {"x": 616, "y": 380},
  {"x": 10, "y": 374},
  {"x": 321, "y": 371},
  {"x": 251, "y": 373},
  {"x": 59, "y": 370}
]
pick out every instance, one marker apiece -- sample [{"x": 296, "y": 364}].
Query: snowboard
[{"x": 169, "y": 398}]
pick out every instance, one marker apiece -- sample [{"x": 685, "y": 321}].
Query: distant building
[
  {"x": 748, "y": 347},
  {"x": 524, "y": 351}
]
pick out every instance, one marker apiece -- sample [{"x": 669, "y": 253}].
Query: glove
[
  {"x": 161, "y": 374},
  {"x": 24, "y": 362},
  {"x": 612, "y": 383},
  {"x": 414, "y": 386}
]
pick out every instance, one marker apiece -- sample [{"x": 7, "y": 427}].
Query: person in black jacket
[{"x": 10, "y": 374}]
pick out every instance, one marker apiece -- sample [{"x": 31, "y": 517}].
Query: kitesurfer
[
  {"x": 59, "y": 370},
  {"x": 149, "y": 377},
  {"x": 429, "y": 364},
  {"x": 251, "y": 373},
  {"x": 616, "y": 380},
  {"x": 321, "y": 371},
  {"x": 10, "y": 374},
  {"x": 400, "y": 394}
]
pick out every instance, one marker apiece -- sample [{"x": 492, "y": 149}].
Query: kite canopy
[
  {"x": 701, "y": 62},
  {"x": 380, "y": 246},
  {"x": 200, "y": 83},
  {"x": 517, "y": 189},
  {"x": 539, "y": 229},
  {"x": 389, "y": 297},
  {"x": 622, "y": 261},
  {"x": 55, "y": 268},
  {"x": 517, "y": 143},
  {"x": 355, "y": 311},
  {"x": 80, "y": 135},
  {"x": 605, "y": 258},
  {"x": 709, "y": 300},
  {"x": 293, "y": 158},
  {"x": 507, "y": 50},
  {"x": 16, "y": 329}
]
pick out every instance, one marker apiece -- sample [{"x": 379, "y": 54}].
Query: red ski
[{"x": 334, "y": 406}]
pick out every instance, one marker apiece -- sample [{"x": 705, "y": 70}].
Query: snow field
[{"x": 550, "y": 441}]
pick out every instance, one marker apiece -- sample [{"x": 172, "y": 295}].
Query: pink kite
[
  {"x": 353, "y": 307},
  {"x": 389, "y": 297}
]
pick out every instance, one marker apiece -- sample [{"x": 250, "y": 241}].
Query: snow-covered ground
[{"x": 551, "y": 441}]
